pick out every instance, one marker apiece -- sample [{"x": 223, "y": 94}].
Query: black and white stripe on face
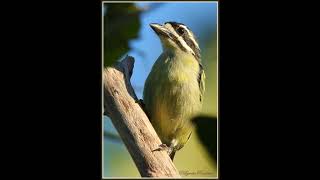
[{"x": 185, "y": 38}]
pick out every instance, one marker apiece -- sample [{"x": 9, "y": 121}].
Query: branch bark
[{"x": 132, "y": 123}]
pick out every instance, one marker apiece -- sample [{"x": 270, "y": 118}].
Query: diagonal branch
[{"x": 132, "y": 123}]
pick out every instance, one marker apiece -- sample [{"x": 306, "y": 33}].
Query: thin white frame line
[
  {"x": 217, "y": 84},
  {"x": 102, "y": 93}
]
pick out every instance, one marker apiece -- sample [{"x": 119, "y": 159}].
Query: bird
[{"x": 174, "y": 89}]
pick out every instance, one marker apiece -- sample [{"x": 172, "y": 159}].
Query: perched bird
[{"x": 173, "y": 91}]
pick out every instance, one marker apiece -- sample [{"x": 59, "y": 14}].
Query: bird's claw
[{"x": 164, "y": 147}]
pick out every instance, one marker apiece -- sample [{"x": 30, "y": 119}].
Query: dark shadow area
[
  {"x": 206, "y": 128},
  {"x": 121, "y": 24}
]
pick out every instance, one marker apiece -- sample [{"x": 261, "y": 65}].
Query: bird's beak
[{"x": 160, "y": 30}]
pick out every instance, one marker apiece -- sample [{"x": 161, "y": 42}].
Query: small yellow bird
[{"x": 173, "y": 91}]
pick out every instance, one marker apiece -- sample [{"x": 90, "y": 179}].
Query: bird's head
[{"x": 177, "y": 36}]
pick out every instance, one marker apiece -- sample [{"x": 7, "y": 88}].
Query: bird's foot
[{"x": 164, "y": 147}]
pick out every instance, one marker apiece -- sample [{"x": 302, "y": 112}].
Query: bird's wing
[{"x": 201, "y": 81}]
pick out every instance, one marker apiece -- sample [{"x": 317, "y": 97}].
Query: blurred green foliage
[
  {"x": 209, "y": 61},
  {"x": 121, "y": 24}
]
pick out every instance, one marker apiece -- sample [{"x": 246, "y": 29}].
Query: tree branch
[{"x": 132, "y": 123}]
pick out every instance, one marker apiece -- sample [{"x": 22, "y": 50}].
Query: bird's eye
[{"x": 180, "y": 31}]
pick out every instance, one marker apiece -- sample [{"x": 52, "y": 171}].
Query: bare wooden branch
[{"x": 132, "y": 123}]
